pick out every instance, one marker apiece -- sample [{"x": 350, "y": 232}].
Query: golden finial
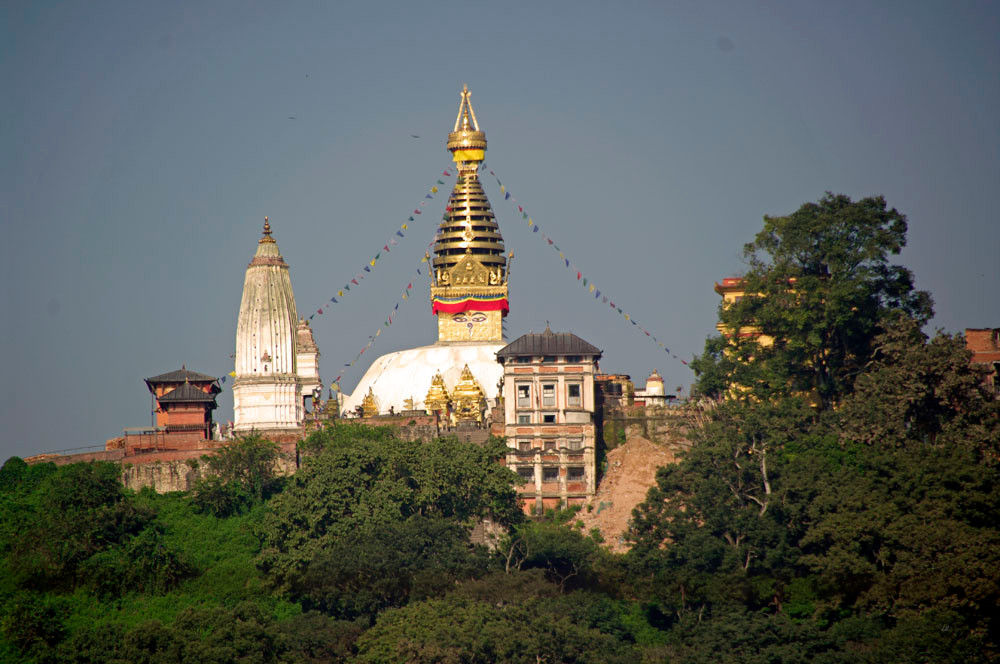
[
  {"x": 267, "y": 232},
  {"x": 466, "y": 142}
]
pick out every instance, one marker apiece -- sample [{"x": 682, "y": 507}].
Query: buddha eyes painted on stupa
[{"x": 469, "y": 317}]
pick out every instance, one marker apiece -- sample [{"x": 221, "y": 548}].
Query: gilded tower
[
  {"x": 469, "y": 269},
  {"x": 456, "y": 377}
]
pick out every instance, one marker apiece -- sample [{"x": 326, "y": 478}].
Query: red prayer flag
[{"x": 578, "y": 275}]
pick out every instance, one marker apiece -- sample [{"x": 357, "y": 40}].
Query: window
[
  {"x": 549, "y": 418},
  {"x": 573, "y": 358},
  {"x": 550, "y": 445},
  {"x": 527, "y": 473},
  {"x": 549, "y": 358},
  {"x": 524, "y": 359},
  {"x": 550, "y": 474},
  {"x": 573, "y": 394},
  {"x": 524, "y": 396},
  {"x": 576, "y": 444},
  {"x": 524, "y": 446},
  {"x": 524, "y": 418},
  {"x": 574, "y": 473},
  {"x": 548, "y": 394}
]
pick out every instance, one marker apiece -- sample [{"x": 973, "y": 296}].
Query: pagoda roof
[
  {"x": 548, "y": 343},
  {"x": 182, "y": 375},
  {"x": 187, "y": 393}
]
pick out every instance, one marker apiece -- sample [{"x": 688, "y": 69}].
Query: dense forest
[{"x": 839, "y": 504}]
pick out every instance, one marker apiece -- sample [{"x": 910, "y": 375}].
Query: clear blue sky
[{"x": 143, "y": 143}]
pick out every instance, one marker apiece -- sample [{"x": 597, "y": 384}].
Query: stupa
[{"x": 468, "y": 296}]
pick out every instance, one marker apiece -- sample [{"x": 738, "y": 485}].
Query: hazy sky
[{"x": 143, "y": 143}]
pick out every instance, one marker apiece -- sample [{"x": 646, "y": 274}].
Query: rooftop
[{"x": 548, "y": 343}]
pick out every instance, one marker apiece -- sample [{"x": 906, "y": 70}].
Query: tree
[
  {"x": 820, "y": 285},
  {"x": 250, "y": 462},
  {"x": 457, "y": 629},
  {"x": 718, "y": 527},
  {"x": 917, "y": 391},
  {"x": 359, "y": 576},
  {"x": 552, "y": 544},
  {"x": 360, "y": 485}
]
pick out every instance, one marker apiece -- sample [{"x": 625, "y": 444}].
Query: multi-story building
[{"x": 548, "y": 406}]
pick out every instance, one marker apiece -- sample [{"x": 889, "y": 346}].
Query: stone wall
[
  {"x": 668, "y": 426},
  {"x": 180, "y": 471}
]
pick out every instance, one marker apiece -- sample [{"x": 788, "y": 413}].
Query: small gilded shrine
[
  {"x": 469, "y": 268},
  {"x": 437, "y": 399},
  {"x": 468, "y": 400}
]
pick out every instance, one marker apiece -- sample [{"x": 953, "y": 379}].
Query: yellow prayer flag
[
  {"x": 503, "y": 190},
  {"x": 377, "y": 333},
  {"x": 627, "y": 318},
  {"x": 591, "y": 288},
  {"x": 530, "y": 222},
  {"x": 434, "y": 190},
  {"x": 373, "y": 262},
  {"x": 233, "y": 374},
  {"x": 340, "y": 293},
  {"x": 404, "y": 227}
]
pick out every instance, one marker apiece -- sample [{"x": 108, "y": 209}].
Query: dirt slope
[{"x": 631, "y": 472}]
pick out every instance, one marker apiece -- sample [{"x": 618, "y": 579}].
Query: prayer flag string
[
  {"x": 421, "y": 271},
  {"x": 386, "y": 249},
  {"x": 587, "y": 282}
]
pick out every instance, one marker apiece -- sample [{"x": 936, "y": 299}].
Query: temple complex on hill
[{"x": 543, "y": 392}]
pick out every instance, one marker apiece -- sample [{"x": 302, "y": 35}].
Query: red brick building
[
  {"x": 985, "y": 346},
  {"x": 183, "y": 404}
]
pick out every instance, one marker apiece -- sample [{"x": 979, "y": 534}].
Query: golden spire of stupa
[{"x": 469, "y": 276}]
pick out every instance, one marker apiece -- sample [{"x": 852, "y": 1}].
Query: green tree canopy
[
  {"x": 819, "y": 283},
  {"x": 352, "y": 485}
]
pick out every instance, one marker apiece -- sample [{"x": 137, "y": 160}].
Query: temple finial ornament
[{"x": 267, "y": 232}]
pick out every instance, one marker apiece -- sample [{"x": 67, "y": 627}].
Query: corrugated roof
[
  {"x": 548, "y": 343},
  {"x": 187, "y": 393},
  {"x": 179, "y": 376}
]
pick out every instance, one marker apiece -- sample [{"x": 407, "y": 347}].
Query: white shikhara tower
[{"x": 266, "y": 392}]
